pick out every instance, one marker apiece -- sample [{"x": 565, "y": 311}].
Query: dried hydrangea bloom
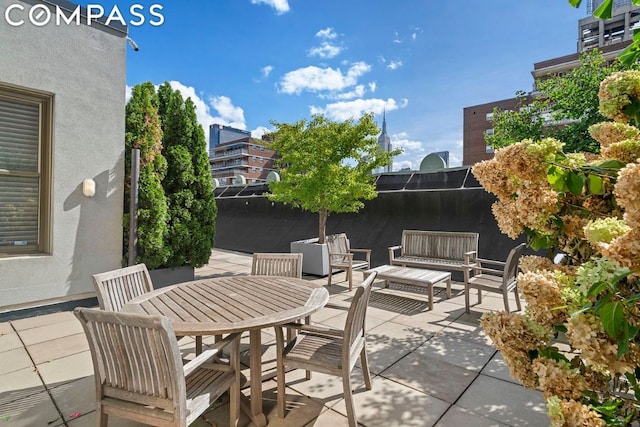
[
  {"x": 517, "y": 160},
  {"x": 519, "y": 365},
  {"x": 538, "y": 264},
  {"x": 506, "y": 215},
  {"x": 494, "y": 179},
  {"x": 510, "y": 331},
  {"x": 624, "y": 249},
  {"x": 546, "y": 305},
  {"x": 573, "y": 226},
  {"x": 607, "y": 133},
  {"x": 626, "y": 151},
  {"x": 558, "y": 378},
  {"x": 570, "y": 413},
  {"x": 534, "y": 263},
  {"x": 598, "y": 204},
  {"x": 616, "y": 92},
  {"x": 585, "y": 333},
  {"x": 535, "y": 204},
  {"x": 627, "y": 192}
]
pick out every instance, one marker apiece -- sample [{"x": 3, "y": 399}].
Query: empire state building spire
[{"x": 383, "y": 140}]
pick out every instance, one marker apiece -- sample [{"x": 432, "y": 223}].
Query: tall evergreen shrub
[
  {"x": 188, "y": 184},
  {"x": 143, "y": 131}
]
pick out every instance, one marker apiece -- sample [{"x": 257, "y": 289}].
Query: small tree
[
  {"x": 143, "y": 132},
  {"x": 188, "y": 183},
  {"x": 571, "y": 99},
  {"x": 326, "y": 166}
]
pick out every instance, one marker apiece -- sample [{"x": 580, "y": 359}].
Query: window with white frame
[{"x": 25, "y": 171}]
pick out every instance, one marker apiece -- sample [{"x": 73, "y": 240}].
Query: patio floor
[{"x": 429, "y": 368}]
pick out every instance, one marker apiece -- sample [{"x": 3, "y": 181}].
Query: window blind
[{"x": 19, "y": 174}]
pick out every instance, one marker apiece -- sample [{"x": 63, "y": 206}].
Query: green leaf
[
  {"x": 575, "y": 182},
  {"x": 576, "y": 3},
  {"x": 596, "y": 288},
  {"x": 612, "y": 318},
  {"x": 557, "y": 178},
  {"x": 612, "y": 164},
  {"x": 595, "y": 184},
  {"x": 630, "y": 55},
  {"x": 553, "y": 353},
  {"x": 604, "y": 11}
]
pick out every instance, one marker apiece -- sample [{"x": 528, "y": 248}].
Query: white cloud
[
  {"x": 127, "y": 93},
  {"x": 402, "y": 164},
  {"x": 357, "y": 92},
  {"x": 412, "y": 151},
  {"x": 267, "y": 70},
  {"x": 328, "y": 33},
  {"x": 408, "y": 145},
  {"x": 316, "y": 79},
  {"x": 394, "y": 65},
  {"x": 228, "y": 114},
  {"x": 325, "y": 51},
  {"x": 353, "y": 109},
  {"x": 259, "y": 131},
  {"x": 396, "y": 38},
  {"x": 228, "y": 111},
  {"x": 281, "y": 6},
  {"x": 372, "y": 86}
]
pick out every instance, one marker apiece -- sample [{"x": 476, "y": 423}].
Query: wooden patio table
[{"x": 234, "y": 304}]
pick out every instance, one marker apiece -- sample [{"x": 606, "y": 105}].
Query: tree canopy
[
  {"x": 326, "y": 166},
  {"x": 569, "y": 102}
]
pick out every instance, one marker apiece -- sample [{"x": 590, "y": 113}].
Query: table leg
[
  {"x": 449, "y": 287},
  {"x": 430, "y": 291},
  {"x": 255, "y": 356}
]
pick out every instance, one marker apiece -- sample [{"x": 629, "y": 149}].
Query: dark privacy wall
[{"x": 254, "y": 224}]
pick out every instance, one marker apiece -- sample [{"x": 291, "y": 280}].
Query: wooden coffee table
[{"x": 414, "y": 277}]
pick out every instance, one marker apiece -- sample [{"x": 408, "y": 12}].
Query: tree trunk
[{"x": 322, "y": 225}]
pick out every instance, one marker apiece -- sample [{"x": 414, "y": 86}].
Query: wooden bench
[
  {"x": 413, "y": 276},
  {"x": 439, "y": 250}
]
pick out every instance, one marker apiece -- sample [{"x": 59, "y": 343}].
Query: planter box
[
  {"x": 162, "y": 277},
  {"x": 315, "y": 256}
]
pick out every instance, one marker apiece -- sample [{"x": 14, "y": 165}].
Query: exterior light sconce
[{"x": 88, "y": 188}]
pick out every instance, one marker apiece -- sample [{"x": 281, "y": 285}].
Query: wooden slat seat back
[
  {"x": 496, "y": 276},
  {"x": 139, "y": 374},
  {"x": 116, "y": 288},
  {"x": 438, "y": 244},
  {"x": 338, "y": 246},
  {"x": 277, "y": 264},
  {"x": 329, "y": 351},
  {"x": 341, "y": 256}
]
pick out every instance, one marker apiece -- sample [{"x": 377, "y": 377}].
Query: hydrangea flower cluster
[{"x": 578, "y": 339}]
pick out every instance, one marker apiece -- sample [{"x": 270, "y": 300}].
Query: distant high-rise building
[
  {"x": 592, "y": 5},
  {"x": 219, "y": 134},
  {"x": 609, "y": 36},
  {"x": 384, "y": 141},
  {"x": 244, "y": 157}
]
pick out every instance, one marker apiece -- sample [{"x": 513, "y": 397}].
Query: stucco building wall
[{"x": 84, "y": 68}]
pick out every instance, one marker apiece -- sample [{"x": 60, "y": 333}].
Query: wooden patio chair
[
  {"x": 117, "y": 287},
  {"x": 341, "y": 256},
  {"x": 139, "y": 374},
  {"x": 499, "y": 280},
  {"x": 329, "y": 351},
  {"x": 277, "y": 264}
]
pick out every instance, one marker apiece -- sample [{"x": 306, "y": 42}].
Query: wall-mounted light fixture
[{"x": 88, "y": 187}]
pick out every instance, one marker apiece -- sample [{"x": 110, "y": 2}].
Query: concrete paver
[{"x": 429, "y": 367}]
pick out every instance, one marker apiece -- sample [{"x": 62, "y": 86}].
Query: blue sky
[{"x": 246, "y": 62}]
